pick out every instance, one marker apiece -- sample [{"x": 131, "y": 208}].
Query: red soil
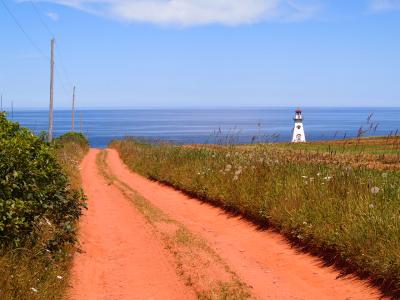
[
  {"x": 121, "y": 258},
  {"x": 263, "y": 259}
]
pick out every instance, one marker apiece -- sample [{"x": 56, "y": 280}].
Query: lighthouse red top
[{"x": 298, "y": 117}]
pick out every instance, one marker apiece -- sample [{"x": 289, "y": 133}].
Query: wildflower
[
  {"x": 328, "y": 177},
  {"x": 311, "y": 178},
  {"x": 375, "y": 190},
  {"x": 228, "y": 155},
  {"x": 236, "y": 177},
  {"x": 238, "y": 172},
  {"x": 304, "y": 177},
  {"x": 371, "y": 206},
  {"x": 384, "y": 175},
  {"x": 304, "y": 223},
  {"x": 34, "y": 290},
  {"x": 47, "y": 222},
  {"x": 228, "y": 168},
  {"x": 318, "y": 174},
  {"x": 59, "y": 277}
]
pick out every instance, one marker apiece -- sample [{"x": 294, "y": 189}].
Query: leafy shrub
[{"x": 33, "y": 190}]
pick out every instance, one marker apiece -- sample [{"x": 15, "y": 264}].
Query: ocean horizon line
[{"x": 9, "y": 109}]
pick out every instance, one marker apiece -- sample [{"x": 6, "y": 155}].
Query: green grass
[
  {"x": 38, "y": 268},
  {"x": 372, "y": 146},
  {"x": 346, "y": 213}
]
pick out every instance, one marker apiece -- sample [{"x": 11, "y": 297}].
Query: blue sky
[{"x": 203, "y": 53}]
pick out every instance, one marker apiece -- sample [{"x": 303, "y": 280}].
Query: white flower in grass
[
  {"x": 328, "y": 177},
  {"x": 371, "y": 206},
  {"x": 34, "y": 290},
  {"x": 304, "y": 177},
  {"x": 228, "y": 168},
  {"x": 384, "y": 175},
  {"x": 375, "y": 190},
  {"x": 236, "y": 177},
  {"x": 59, "y": 277},
  {"x": 238, "y": 172},
  {"x": 318, "y": 174}
]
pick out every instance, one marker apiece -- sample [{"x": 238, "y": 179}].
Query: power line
[
  {"x": 23, "y": 30},
  {"x": 31, "y": 41},
  {"x": 36, "y": 9},
  {"x": 51, "y": 33}
]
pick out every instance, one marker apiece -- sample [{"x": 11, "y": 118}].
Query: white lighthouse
[{"x": 298, "y": 130}]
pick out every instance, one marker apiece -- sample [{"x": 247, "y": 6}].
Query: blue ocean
[{"x": 233, "y": 125}]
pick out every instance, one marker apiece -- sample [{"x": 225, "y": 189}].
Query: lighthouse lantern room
[{"x": 298, "y": 130}]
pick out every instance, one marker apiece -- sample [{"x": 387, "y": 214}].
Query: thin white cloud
[
  {"x": 53, "y": 16},
  {"x": 196, "y": 12},
  {"x": 385, "y": 5}
]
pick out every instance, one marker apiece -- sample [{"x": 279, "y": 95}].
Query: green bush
[
  {"x": 72, "y": 137},
  {"x": 33, "y": 190}
]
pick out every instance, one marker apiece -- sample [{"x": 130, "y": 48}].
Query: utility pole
[
  {"x": 1, "y": 102},
  {"x": 51, "y": 110},
  {"x": 73, "y": 110},
  {"x": 12, "y": 110}
]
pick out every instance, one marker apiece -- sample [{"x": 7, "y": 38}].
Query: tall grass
[
  {"x": 37, "y": 268},
  {"x": 348, "y": 214}
]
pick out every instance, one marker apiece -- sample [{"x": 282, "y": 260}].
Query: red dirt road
[{"x": 122, "y": 259}]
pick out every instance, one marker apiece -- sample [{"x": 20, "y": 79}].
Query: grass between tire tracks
[
  {"x": 335, "y": 207},
  {"x": 196, "y": 263}
]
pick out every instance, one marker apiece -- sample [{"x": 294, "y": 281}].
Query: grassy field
[
  {"x": 330, "y": 202},
  {"x": 35, "y": 263}
]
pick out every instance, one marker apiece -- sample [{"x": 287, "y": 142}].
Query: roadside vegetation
[
  {"x": 40, "y": 202},
  {"x": 332, "y": 204}
]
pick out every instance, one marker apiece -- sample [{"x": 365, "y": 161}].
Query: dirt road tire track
[{"x": 120, "y": 259}]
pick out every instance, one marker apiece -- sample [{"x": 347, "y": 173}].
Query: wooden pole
[
  {"x": 51, "y": 109},
  {"x": 73, "y": 110}
]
